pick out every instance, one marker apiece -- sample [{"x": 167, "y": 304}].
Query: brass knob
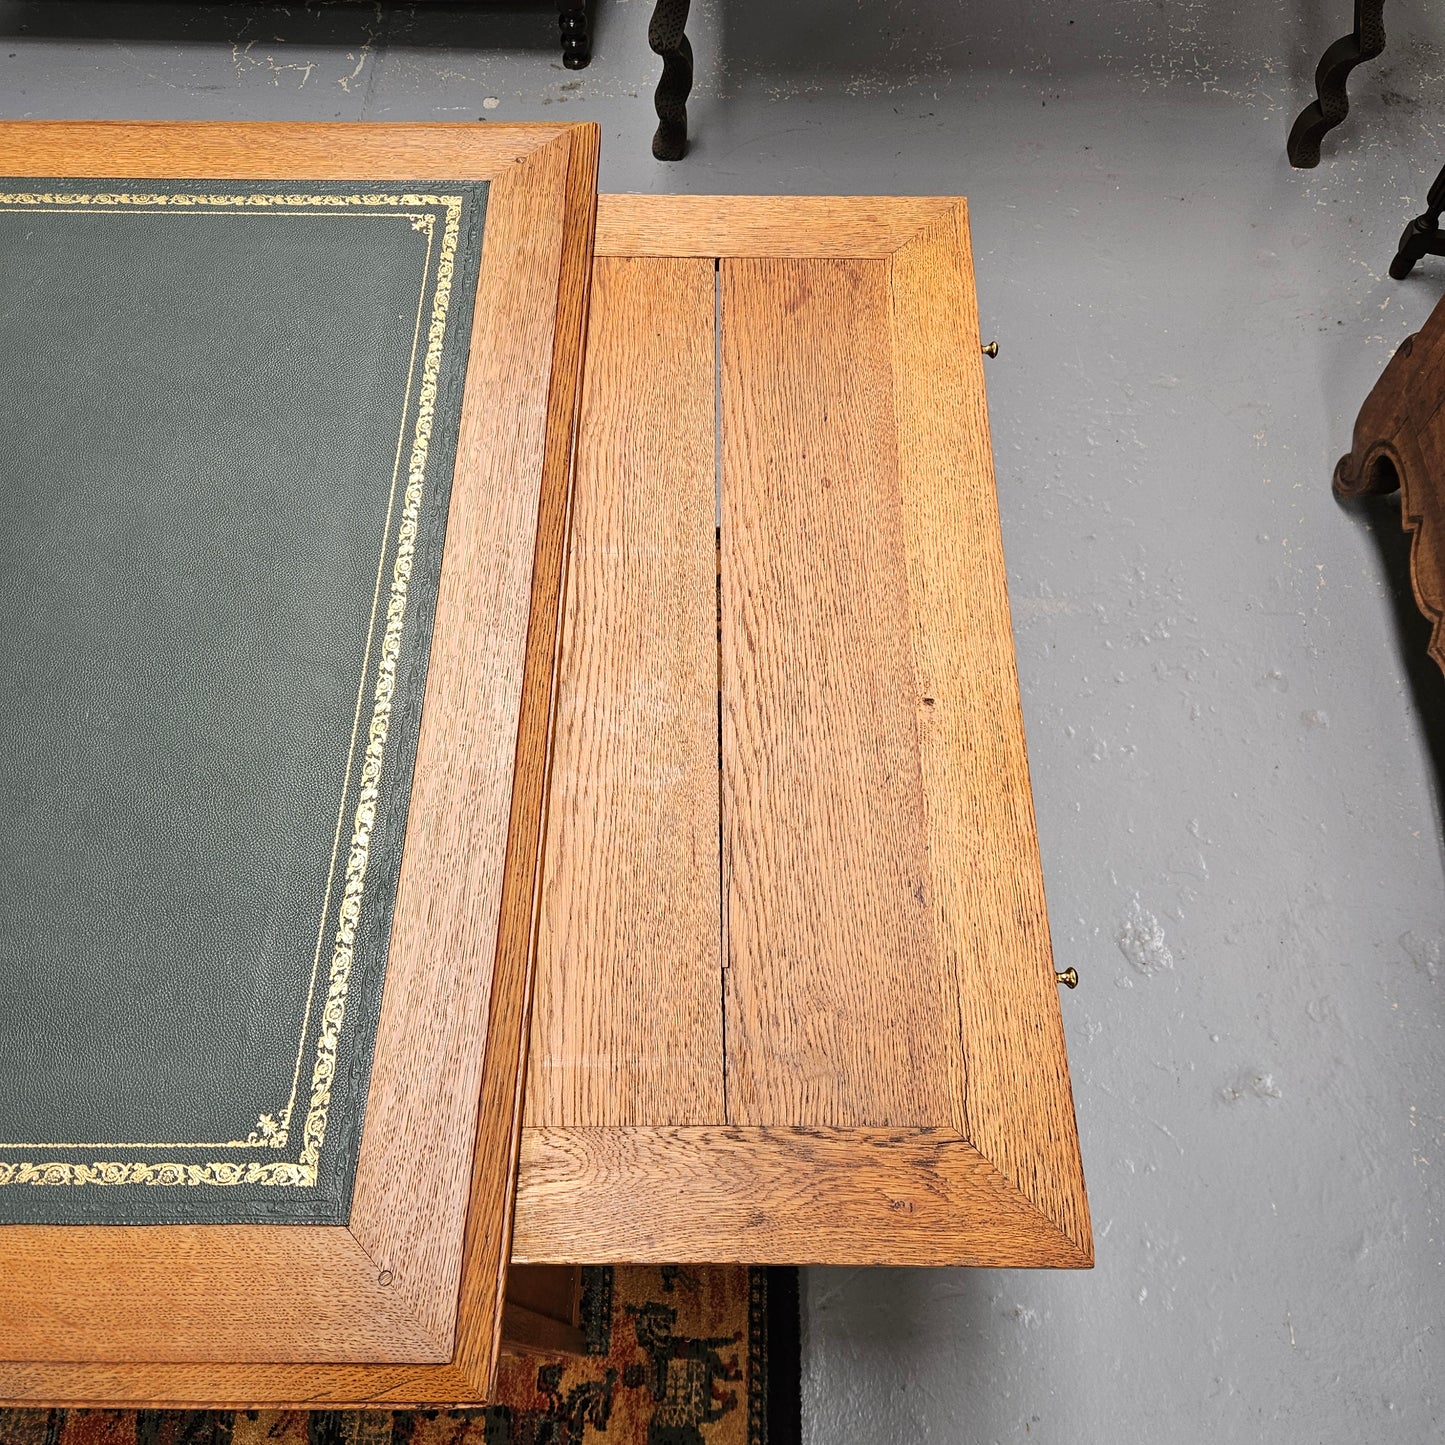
[
  {"x": 991, "y": 349},
  {"x": 1069, "y": 978}
]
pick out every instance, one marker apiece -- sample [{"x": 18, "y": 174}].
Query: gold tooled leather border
[{"x": 273, "y": 1131}]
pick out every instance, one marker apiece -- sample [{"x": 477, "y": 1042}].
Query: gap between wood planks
[{"x": 717, "y": 465}]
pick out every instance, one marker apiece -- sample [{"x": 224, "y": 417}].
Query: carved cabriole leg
[
  {"x": 666, "y": 36},
  {"x": 1364, "y": 42},
  {"x": 576, "y": 27}
]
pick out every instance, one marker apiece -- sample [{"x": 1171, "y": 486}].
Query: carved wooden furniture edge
[{"x": 1386, "y": 455}]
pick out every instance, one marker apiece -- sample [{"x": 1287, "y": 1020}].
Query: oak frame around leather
[{"x": 405, "y": 1304}]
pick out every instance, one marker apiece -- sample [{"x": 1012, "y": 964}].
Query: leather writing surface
[{"x": 228, "y": 418}]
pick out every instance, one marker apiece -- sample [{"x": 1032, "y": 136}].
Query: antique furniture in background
[
  {"x": 1399, "y": 443},
  {"x": 1332, "y": 102},
  {"x": 575, "y": 22},
  {"x": 666, "y": 34},
  {"x": 574, "y": 19},
  {"x": 1423, "y": 236}
]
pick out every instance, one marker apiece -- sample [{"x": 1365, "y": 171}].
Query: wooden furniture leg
[
  {"x": 666, "y": 36},
  {"x": 576, "y": 27},
  {"x": 1332, "y": 103},
  {"x": 1423, "y": 236}
]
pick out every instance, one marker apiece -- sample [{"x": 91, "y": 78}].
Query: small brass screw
[
  {"x": 991, "y": 349},
  {"x": 1069, "y": 978}
]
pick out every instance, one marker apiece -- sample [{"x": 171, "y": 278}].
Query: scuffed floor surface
[{"x": 1238, "y": 801}]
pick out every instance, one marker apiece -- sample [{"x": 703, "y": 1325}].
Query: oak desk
[{"x": 794, "y": 998}]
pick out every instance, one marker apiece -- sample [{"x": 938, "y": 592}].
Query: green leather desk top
[{"x": 228, "y": 422}]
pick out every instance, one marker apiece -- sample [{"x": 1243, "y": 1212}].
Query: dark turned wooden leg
[
  {"x": 1364, "y": 42},
  {"x": 576, "y": 28},
  {"x": 666, "y": 36},
  {"x": 1423, "y": 236}
]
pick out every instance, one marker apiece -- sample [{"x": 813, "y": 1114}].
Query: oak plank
[
  {"x": 529, "y": 1326},
  {"x": 837, "y": 1011},
  {"x": 235, "y": 1387},
  {"x": 627, "y": 1020},
  {"x": 485, "y": 760},
  {"x": 486, "y": 1243},
  {"x": 990, "y": 918},
  {"x": 774, "y": 226},
  {"x": 414, "y": 1170},
  {"x": 782, "y": 1195},
  {"x": 78, "y": 1290},
  {"x": 276, "y": 150}
]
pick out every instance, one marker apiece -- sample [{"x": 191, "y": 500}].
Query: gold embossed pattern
[{"x": 273, "y": 1130}]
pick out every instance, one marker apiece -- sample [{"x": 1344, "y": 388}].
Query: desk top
[
  {"x": 387, "y": 1285},
  {"x": 795, "y": 999}
]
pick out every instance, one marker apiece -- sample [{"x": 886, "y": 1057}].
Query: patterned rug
[{"x": 703, "y": 1356}]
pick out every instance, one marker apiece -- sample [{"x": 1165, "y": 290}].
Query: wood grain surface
[
  {"x": 215, "y": 150},
  {"x": 990, "y": 919},
  {"x": 219, "y": 1386},
  {"x": 418, "y": 1276},
  {"x": 486, "y": 1245},
  {"x": 775, "y": 227},
  {"x": 627, "y": 1018},
  {"x": 837, "y": 1007},
  {"x": 778, "y": 1196},
  {"x": 155, "y": 1292},
  {"x": 896, "y": 1088},
  {"x": 416, "y": 1164}
]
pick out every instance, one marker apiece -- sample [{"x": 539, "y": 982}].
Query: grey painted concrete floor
[{"x": 1238, "y": 803}]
